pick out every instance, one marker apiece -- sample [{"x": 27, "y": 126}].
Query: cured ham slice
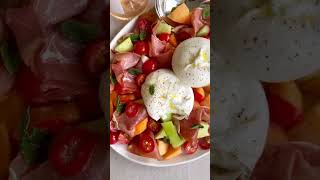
[
  {"x": 196, "y": 19},
  {"x": 128, "y": 124}
]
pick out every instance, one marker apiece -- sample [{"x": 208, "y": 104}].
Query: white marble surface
[{"x": 122, "y": 169}]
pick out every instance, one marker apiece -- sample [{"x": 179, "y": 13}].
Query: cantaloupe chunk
[
  {"x": 172, "y": 152},
  {"x": 206, "y": 101},
  {"x": 162, "y": 147},
  {"x": 173, "y": 40},
  {"x": 142, "y": 126},
  {"x": 181, "y": 14}
]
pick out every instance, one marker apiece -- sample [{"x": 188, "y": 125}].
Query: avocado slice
[
  {"x": 164, "y": 28},
  {"x": 161, "y": 134},
  {"x": 204, "y": 31},
  {"x": 171, "y": 131},
  {"x": 125, "y": 46},
  {"x": 167, "y": 117},
  {"x": 203, "y": 132}
]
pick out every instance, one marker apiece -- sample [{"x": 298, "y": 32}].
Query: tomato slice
[
  {"x": 204, "y": 143},
  {"x": 146, "y": 143},
  {"x": 141, "y": 47},
  {"x": 114, "y": 137},
  {"x": 95, "y": 57},
  {"x": 164, "y": 37},
  {"x": 150, "y": 66},
  {"x": 70, "y": 152},
  {"x": 132, "y": 109},
  {"x": 190, "y": 147}
]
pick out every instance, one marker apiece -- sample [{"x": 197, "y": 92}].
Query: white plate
[{"x": 122, "y": 149}]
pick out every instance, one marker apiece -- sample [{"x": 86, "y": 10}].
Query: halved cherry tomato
[
  {"x": 114, "y": 137},
  {"x": 146, "y": 143},
  {"x": 141, "y": 47},
  {"x": 70, "y": 152},
  {"x": 140, "y": 79},
  {"x": 150, "y": 66},
  {"x": 95, "y": 57},
  {"x": 164, "y": 37},
  {"x": 132, "y": 109},
  {"x": 190, "y": 147},
  {"x": 204, "y": 143},
  {"x": 153, "y": 126},
  {"x": 182, "y": 35},
  {"x": 127, "y": 98}
]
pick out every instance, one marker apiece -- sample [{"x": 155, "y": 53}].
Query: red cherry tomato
[
  {"x": 114, "y": 137},
  {"x": 182, "y": 35},
  {"x": 190, "y": 147},
  {"x": 132, "y": 109},
  {"x": 146, "y": 143},
  {"x": 164, "y": 37},
  {"x": 204, "y": 143},
  {"x": 153, "y": 126},
  {"x": 141, "y": 47},
  {"x": 70, "y": 152},
  {"x": 282, "y": 112},
  {"x": 150, "y": 66},
  {"x": 140, "y": 79},
  {"x": 94, "y": 58}
]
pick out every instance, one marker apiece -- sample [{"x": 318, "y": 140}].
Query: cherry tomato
[
  {"x": 132, "y": 109},
  {"x": 123, "y": 138},
  {"x": 153, "y": 126},
  {"x": 146, "y": 143},
  {"x": 282, "y": 112},
  {"x": 190, "y": 147},
  {"x": 164, "y": 37},
  {"x": 70, "y": 152},
  {"x": 150, "y": 66},
  {"x": 94, "y": 58},
  {"x": 204, "y": 143},
  {"x": 114, "y": 137},
  {"x": 140, "y": 79},
  {"x": 182, "y": 35},
  {"x": 141, "y": 47}
]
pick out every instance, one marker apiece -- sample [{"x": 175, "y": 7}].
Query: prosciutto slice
[
  {"x": 128, "y": 124},
  {"x": 196, "y": 19},
  {"x": 289, "y": 161}
]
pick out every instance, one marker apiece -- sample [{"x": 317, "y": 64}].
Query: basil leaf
[
  {"x": 134, "y": 71},
  {"x": 197, "y": 126},
  {"x": 10, "y": 57},
  {"x": 119, "y": 105},
  {"x": 79, "y": 32},
  {"x": 151, "y": 89},
  {"x": 113, "y": 79},
  {"x": 143, "y": 35},
  {"x": 206, "y": 12},
  {"x": 134, "y": 37}
]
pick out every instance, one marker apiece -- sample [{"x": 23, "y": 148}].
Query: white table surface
[{"x": 123, "y": 169}]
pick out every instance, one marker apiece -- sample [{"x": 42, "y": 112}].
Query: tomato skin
[
  {"x": 132, "y": 109},
  {"x": 141, "y": 48},
  {"x": 150, "y": 66},
  {"x": 140, "y": 79},
  {"x": 94, "y": 57},
  {"x": 70, "y": 152},
  {"x": 153, "y": 126},
  {"x": 114, "y": 137},
  {"x": 146, "y": 143},
  {"x": 182, "y": 35},
  {"x": 190, "y": 147},
  {"x": 204, "y": 143},
  {"x": 164, "y": 37}
]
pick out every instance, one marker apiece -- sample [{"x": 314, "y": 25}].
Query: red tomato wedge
[
  {"x": 70, "y": 152},
  {"x": 190, "y": 147},
  {"x": 141, "y": 47},
  {"x": 146, "y": 143}
]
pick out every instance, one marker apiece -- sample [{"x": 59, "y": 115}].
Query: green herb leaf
[
  {"x": 134, "y": 71},
  {"x": 113, "y": 79},
  {"x": 10, "y": 57},
  {"x": 119, "y": 105},
  {"x": 206, "y": 12},
  {"x": 197, "y": 126},
  {"x": 143, "y": 35},
  {"x": 79, "y": 32},
  {"x": 134, "y": 37},
  {"x": 151, "y": 89}
]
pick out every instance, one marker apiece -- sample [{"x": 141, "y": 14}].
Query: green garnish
[
  {"x": 79, "y": 32},
  {"x": 113, "y": 79},
  {"x": 143, "y": 35},
  {"x": 134, "y": 37},
  {"x": 151, "y": 89},
  {"x": 34, "y": 143},
  {"x": 10, "y": 57},
  {"x": 197, "y": 126},
  {"x": 119, "y": 105},
  {"x": 134, "y": 71},
  {"x": 206, "y": 12}
]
